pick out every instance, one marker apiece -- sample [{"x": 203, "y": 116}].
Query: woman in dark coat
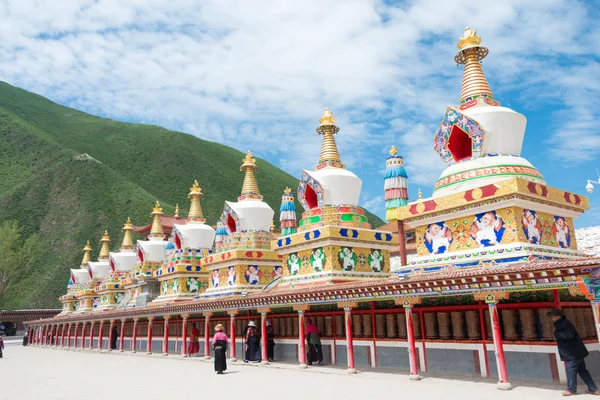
[
  {"x": 25, "y": 339},
  {"x": 220, "y": 343},
  {"x": 252, "y": 340},
  {"x": 270, "y": 341},
  {"x": 113, "y": 339}
]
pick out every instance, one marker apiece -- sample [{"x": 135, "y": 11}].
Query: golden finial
[
  {"x": 156, "y": 232},
  {"x": 287, "y": 190},
  {"x": 470, "y": 54},
  {"x": 393, "y": 151},
  {"x": 127, "y": 243},
  {"x": 87, "y": 254},
  {"x": 105, "y": 249},
  {"x": 329, "y": 150},
  {"x": 195, "y": 213},
  {"x": 272, "y": 225},
  {"x": 176, "y": 210},
  {"x": 420, "y": 195},
  {"x": 249, "y": 167}
]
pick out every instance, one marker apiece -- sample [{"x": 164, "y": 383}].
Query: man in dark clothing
[
  {"x": 113, "y": 339},
  {"x": 571, "y": 350}
]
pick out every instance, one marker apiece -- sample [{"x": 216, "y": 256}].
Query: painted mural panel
[
  {"x": 248, "y": 274},
  {"x": 546, "y": 229}
]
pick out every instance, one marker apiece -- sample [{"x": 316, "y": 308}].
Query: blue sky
[{"x": 257, "y": 75}]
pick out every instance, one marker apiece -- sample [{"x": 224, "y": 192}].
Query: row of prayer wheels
[{"x": 521, "y": 324}]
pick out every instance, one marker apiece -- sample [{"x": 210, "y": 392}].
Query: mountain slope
[{"x": 69, "y": 201}]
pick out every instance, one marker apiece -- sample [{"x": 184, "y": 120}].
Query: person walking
[
  {"x": 194, "y": 346},
  {"x": 270, "y": 341},
  {"x": 113, "y": 340},
  {"x": 313, "y": 337},
  {"x": 1, "y": 346},
  {"x": 25, "y": 339},
  {"x": 571, "y": 350},
  {"x": 252, "y": 340},
  {"x": 220, "y": 343}
]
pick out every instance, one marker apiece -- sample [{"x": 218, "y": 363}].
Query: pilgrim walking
[
  {"x": 252, "y": 340},
  {"x": 220, "y": 343},
  {"x": 194, "y": 346},
  {"x": 270, "y": 341},
  {"x": 113, "y": 339},
  {"x": 1, "y": 346},
  {"x": 313, "y": 337}
]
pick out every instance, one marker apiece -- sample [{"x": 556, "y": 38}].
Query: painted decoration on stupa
[
  {"x": 461, "y": 129},
  {"x": 532, "y": 227},
  {"x": 438, "y": 238},
  {"x": 252, "y": 274},
  {"x": 318, "y": 259},
  {"x": 231, "y": 276},
  {"x": 376, "y": 260},
  {"x": 176, "y": 285},
  {"x": 293, "y": 264},
  {"x": 277, "y": 271},
  {"x": 216, "y": 278},
  {"x": 347, "y": 258},
  {"x": 118, "y": 297},
  {"x": 165, "y": 287},
  {"x": 192, "y": 285},
  {"x": 562, "y": 232},
  {"x": 95, "y": 302},
  {"x": 487, "y": 229}
]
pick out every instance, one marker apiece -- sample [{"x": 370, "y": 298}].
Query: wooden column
[
  {"x": 45, "y": 337},
  {"x": 92, "y": 335},
  {"x": 76, "y": 335},
  {"x": 69, "y": 335},
  {"x": 301, "y": 335},
  {"x": 101, "y": 335},
  {"x": 62, "y": 336},
  {"x": 408, "y": 304},
  {"x": 184, "y": 335},
  {"x": 134, "y": 335},
  {"x": 232, "y": 349},
  {"x": 83, "y": 334},
  {"x": 122, "y": 337},
  {"x": 149, "y": 336},
  {"x": 166, "y": 336},
  {"x": 111, "y": 334},
  {"x": 207, "y": 316},
  {"x": 348, "y": 306},
  {"x": 56, "y": 335},
  {"x": 263, "y": 337},
  {"x": 402, "y": 243}
]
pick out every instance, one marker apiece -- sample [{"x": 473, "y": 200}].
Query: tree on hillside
[{"x": 15, "y": 253}]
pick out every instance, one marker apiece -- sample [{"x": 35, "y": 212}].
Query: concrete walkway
[{"x": 47, "y": 373}]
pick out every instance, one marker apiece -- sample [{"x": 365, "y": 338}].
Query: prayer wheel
[
  {"x": 488, "y": 325},
  {"x": 340, "y": 326},
  {"x": 580, "y": 322},
  {"x": 380, "y": 331},
  {"x": 321, "y": 324},
  {"x": 546, "y": 324},
  {"x": 590, "y": 325},
  {"x": 473, "y": 328},
  {"x": 570, "y": 314},
  {"x": 289, "y": 326},
  {"x": 416, "y": 326},
  {"x": 275, "y": 322},
  {"x": 458, "y": 325},
  {"x": 528, "y": 324},
  {"x": 443, "y": 319},
  {"x": 329, "y": 326},
  {"x": 357, "y": 326},
  {"x": 401, "y": 323},
  {"x": 390, "y": 324},
  {"x": 431, "y": 325},
  {"x": 295, "y": 326},
  {"x": 367, "y": 325},
  {"x": 239, "y": 327},
  {"x": 509, "y": 322}
]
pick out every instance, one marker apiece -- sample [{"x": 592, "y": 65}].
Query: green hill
[{"x": 68, "y": 201}]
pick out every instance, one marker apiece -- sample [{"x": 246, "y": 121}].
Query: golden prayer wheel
[
  {"x": 321, "y": 324},
  {"x": 488, "y": 325},
  {"x": 380, "y": 326},
  {"x": 295, "y": 326},
  {"x": 473, "y": 328},
  {"x": 509, "y": 322},
  {"x": 390, "y": 323},
  {"x": 289, "y": 326},
  {"x": 340, "y": 326},
  {"x": 546, "y": 324},
  {"x": 458, "y": 325},
  {"x": 417, "y": 326},
  {"x": 431, "y": 325},
  {"x": 401, "y": 323},
  {"x": 528, "y": 324},
  {"x": 357, "y": 326},
  {"x": 443, "y": 319},
  {"x": 275, "y": 323},
  {"x": 367, "y": 327},
  {"x": 329, "y": 326},
  {"x": 580, "y": 323},
  {"x": 570, "y": 314},
  {"x": 590, "y": 325}
]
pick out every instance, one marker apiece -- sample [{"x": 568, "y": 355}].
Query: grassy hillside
[{"x": 68, "y": 201}]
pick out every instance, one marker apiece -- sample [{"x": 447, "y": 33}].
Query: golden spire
[
  {"x": 420, "y": 195},
  {"x": 156, "y": 232},
  {"x": 195, "y": 213},
  {"x": 87, "y": 254},
  {"x": 127, "y": 243},
  {"x": 470, "y": 54},
  {"x": 176, "y": 211},
  {"x": 273, "y": 226},
  {"x": 249, "y": 167},
  {"x": 105, "y": 249},
  {"x": 287, "y": 190},
  {"x": 393, "y": 151},
  {"x": 329, "y": 150}
]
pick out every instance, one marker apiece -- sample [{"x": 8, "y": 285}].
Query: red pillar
[
  {"x": 69, "y": 335},
  {"x": 122, "y": 338},
  {"x": 91, "y": 335},
  {"x": 166, "y": 337},
  {"x": 45, "y": 337},
  {"x": 56, "y": 336},
  {"x": 263, "y": 337},
  {"x": 149, "y": 337},
  {"x": 301, "y": 339},
  {"x": 349, "y": 342},
  {"x": 62, "y": 336},
  {"x": 503, "y": 383},
  {"x": 207, "y": 335},
  {"x": 184, "y": 336},
  {"x": 412, "y": 349},
  {"x": 101, "y": 335},
  {"x": 111, "y": 334},
  {"x": 134, "y": 336},
  {"x": 83, "y": 334},
  {"x": 232, "y": 348},
  {"x": 76, "y": 335}
]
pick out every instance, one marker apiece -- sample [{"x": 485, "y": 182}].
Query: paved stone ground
[{"x": 55, "y": 374}]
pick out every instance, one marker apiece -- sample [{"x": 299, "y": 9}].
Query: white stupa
[
  {"x": 196, "y": 234},
  {"x": 153, "y": 250},
  {"x": 124, "y": 259}
]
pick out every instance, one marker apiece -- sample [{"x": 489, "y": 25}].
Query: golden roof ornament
[
  {"x": 420, "y": 195},
  {"x": 127, "y": 243},
  {"x": 287, "y": 190},
  {"x": 393, "y": 150},
  {"x": 87, "y": 254},
  {"x": 195, "y": 213},
  {"x": 330, "y": 155},
  {"x": 249, "y": 187},
  {"x": 156, "y": 232},
  {"x": 105, "y": 249},
  {"x": 470, "y": 54},
  {"x": 176, "y": 210}
]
